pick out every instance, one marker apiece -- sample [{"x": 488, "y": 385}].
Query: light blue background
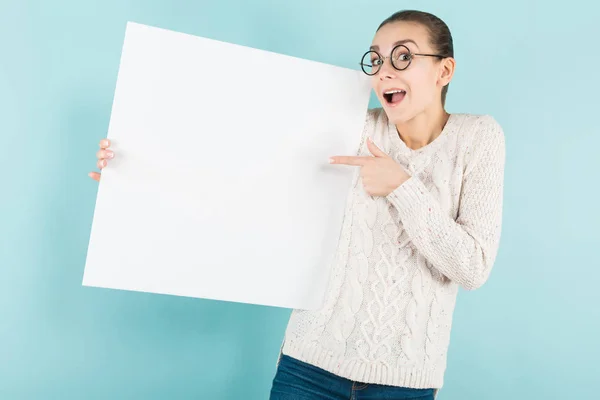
[{"x": 530, "y": 333}]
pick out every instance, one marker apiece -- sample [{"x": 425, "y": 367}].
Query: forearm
[{"x": 463, "y": 253}]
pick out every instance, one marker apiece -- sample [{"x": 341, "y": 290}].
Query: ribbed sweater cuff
[{"x": 409, "y": 196}]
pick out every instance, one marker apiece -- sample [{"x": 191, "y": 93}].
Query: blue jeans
[{"x": 296, "y": 380}]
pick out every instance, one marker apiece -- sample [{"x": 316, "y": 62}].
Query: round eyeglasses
[{"x": 401, "y": 57}]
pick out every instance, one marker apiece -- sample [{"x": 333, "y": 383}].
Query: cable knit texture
[{"x": 388, "y": 310}]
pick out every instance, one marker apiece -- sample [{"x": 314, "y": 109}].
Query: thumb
[{"x": 376, "y": 151}]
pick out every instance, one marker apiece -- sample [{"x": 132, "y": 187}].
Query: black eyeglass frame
[{"x": 382, "y": 58}]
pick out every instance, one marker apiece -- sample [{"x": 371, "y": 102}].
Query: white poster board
[{"x": 221, "y": 186}]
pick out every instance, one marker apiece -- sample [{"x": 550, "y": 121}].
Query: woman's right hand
[{"x": 103, "y": 155}]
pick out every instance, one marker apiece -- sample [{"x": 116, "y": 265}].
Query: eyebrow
[{"x": 397, "y": 43}]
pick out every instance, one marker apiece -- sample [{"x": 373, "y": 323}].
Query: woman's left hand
[{"x": 380, "y": 174}]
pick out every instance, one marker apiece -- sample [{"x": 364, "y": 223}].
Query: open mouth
[{"x": 394, "y": 96}]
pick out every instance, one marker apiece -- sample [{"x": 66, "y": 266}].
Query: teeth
[{"x": 395, "y": 91}]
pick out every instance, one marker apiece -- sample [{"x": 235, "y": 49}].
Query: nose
[{"x": 387, "y": 71}]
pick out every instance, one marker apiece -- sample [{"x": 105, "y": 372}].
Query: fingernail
[
  {"x": 331, "y": 161},
  {"x": 109, "y": 154}
]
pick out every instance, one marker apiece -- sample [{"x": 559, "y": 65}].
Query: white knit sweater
[{"x": 388, "y": 310}]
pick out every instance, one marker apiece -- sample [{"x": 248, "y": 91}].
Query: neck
[{"x": 424, "y": 128}]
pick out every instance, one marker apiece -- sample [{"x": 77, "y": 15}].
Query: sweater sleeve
[{"x": 463, "y": 250}]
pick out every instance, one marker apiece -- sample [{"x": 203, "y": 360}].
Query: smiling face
[{"x": 407, "y": 93}]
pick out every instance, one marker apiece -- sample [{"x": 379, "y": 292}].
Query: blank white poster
[{"x": 221, "y": 187}]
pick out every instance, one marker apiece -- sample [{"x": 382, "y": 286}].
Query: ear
[{"x": 447, "y": 67}]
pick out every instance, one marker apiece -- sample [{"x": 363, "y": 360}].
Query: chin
[
  {"x": 399, "y": 112},
  {"x": 398, "y": 115}
]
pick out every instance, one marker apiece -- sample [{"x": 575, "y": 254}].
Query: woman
[{"x": 423, "y": 219}]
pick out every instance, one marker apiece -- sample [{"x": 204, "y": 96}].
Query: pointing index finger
[{"x": 349, "y": 160}]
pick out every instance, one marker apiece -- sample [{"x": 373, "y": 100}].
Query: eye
[
  {"x": 403, "y": 57},
  {"x": 376, "y": 62}
]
